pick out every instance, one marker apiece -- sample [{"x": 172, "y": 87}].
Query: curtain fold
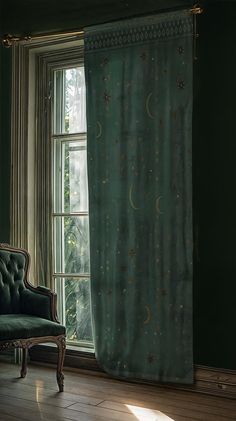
[{"x": 139, "y": 114}]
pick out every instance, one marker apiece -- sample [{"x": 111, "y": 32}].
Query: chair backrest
[{"x": 13, "y": 269}]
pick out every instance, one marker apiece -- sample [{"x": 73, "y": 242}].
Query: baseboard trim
[
  {"x": 212, "y": 381},
  {"x": 216, "y": 381},
  {"x": 209, "y": 380},
  {"x": 74, "y": 359}
]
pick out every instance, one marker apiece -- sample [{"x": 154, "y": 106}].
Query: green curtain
[{"x": 139, "y": 113}]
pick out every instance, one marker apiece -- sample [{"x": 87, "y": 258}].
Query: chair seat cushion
[{"x": 22, "y": 326}]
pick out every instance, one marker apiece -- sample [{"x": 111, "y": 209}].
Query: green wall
[
  {"x": 5, "y": 98},
  {"x": 43, "y": 15},
  {"x": 214, "y": 182},
  {"x": 214, "y": 178}
]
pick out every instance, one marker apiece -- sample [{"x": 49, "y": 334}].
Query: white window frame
[{"x": 28, "y": 58}]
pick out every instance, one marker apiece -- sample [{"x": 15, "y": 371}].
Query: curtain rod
[{"x": 9, "y": 40}]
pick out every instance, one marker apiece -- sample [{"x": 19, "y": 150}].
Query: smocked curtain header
[
  {"x": 139, "y": 115},
  {"x": 138, "y": 31}
]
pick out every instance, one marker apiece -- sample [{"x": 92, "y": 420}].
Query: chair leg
[
  {"x": 61, "y": 344},
  {"x": 24, "y": 362}
]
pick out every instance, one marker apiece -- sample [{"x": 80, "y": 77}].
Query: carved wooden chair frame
[{"x": 26, "y": 344}]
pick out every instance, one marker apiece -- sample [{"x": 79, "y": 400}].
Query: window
[
  {"x": 70, "y": 220},
  {"x": 49, "y": 203}
]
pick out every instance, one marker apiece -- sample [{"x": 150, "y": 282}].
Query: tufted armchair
[{"x": 28, "y": 314}]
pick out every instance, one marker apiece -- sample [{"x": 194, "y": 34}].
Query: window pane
[
  {"x": 77, "y": 311},
  {"x": 70, "y": 176},
  {"x": 71, "y": 242},
  {"x": 70, "y": 205},
  {"x": 70, "y": 100}
]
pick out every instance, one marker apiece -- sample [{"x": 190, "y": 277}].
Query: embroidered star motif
[
  {"x": 180, "y": 84},
  {"x": 106, "y": 78},
  {"x": 105, "y": 61},
  {"x": 143, "y": 55},
  {"x": 180, "y": 50},
  {"x": 106, "y": 97},
  {"x": 151, "y": 358},
  {"x": 132, "y": 253}
]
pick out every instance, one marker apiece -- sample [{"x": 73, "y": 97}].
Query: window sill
[{"x": 76, "y": 358}]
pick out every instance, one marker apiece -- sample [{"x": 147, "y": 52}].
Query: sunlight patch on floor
[
  {"x": 144, "y": 414},
  {"x": 39, "y": 385}
]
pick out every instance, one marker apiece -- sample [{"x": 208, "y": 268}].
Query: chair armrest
[{"x": 39, "y": 301}]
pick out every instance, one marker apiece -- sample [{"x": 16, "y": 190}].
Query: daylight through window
[{"x": 70, "y": 218}]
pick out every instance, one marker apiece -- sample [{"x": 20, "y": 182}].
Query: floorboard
[{"x": 96, "y": 397}]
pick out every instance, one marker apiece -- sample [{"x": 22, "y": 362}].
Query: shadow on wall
[{"x": 5, "y": 112}]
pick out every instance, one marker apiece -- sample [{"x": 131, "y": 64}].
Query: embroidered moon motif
[
  {"x": 147, "y": 320},
  {"x": 158, "y": 205},
  {"x": 99, "y": 134},
  {"x": 131, "y": 199},
  {"x": 149, "y": 113}
]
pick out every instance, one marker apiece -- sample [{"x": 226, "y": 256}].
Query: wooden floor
[{"x": 94, "y": 397}]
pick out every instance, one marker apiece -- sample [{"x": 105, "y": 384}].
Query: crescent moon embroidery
[
  {"x": 158, "y": 205},
  {"x": 99, "y": 134},
  {"x": 148, "y": 106},
  {"x": 147, "y": 320},
  {"x": 130, "y": 198}
]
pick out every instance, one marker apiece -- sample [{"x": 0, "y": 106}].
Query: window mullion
[{"x": 75, "y": 137}]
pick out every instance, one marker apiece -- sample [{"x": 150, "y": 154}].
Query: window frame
[
  {"x": 29, "y": 59},
  {"x": 58, "y": 139}
]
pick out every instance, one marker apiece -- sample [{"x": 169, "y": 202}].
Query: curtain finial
[
  {"x": 196, "y": 10},
  {"x": 8, "y": 40}
]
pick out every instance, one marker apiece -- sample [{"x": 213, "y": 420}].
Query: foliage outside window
[{"x": 70, "y": 204}]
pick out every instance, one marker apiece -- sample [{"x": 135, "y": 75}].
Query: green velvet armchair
[{"x": 28, "y": 314}]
